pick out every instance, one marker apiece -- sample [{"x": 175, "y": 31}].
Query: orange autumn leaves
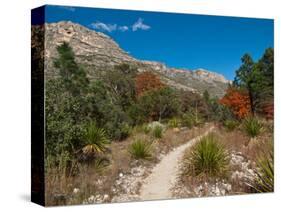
[
  {"x": 238, "y": 101},
  {"x": 147, "y": 81}
]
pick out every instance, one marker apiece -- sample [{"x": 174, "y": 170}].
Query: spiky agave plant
[
  {"x": 100, "y": 164},
  {"x": 157, "y": 132},
  {"x": 140, "y": 149},
  {"x": 95, "y": 139},
  {"x": 252, "y": 126},
  {"x": 208, "y": 157},
  {"x": 264, "y": 180}
]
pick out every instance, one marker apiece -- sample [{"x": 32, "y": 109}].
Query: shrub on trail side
[
  {"x": 157, "y": 132},
  {"x": 230, "y": 125},
  {"x": 264, "y": 180},
  {"x": 207, "y": 158},
  {"x": 140, "y": 149},
  {"x": 252, "y": 126}
]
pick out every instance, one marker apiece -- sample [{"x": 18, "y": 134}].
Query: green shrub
[
  {"x": 146, "y": 129},
  {"x": 174, "y": 123},
  {"x": 140, "y": 149},
  {"x": 157, "y": 131},
  {"x": 252, "y": 126},
  {"x": 264, "y": 180},
  {"x": 230, "y": 125},
  {"x": 126, "y": 130},
  {"x": 191, "y": 119},
  {"x": 95, "y": 139},
  {"x": 208, "y": 157},
  {"x": 188, "y": 120},
  {"x": 159, "y": 104}
]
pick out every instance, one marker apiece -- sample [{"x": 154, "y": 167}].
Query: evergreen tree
[
  {"x": 245, "y": 78},
  {"x": 73, "y": 75},
  {"x": 206, "y": 96},
  {"x": 257, "y": 78},
  {"x": 265, "y": 66}
]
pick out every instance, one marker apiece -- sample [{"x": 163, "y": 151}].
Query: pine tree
[
  {"x": 73, "y": 75},
  {"x": 245, "y": 78},
  {"x": 265, "y": 83}
]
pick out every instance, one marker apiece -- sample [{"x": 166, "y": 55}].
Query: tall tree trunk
[{"x": 251, "y": 100}]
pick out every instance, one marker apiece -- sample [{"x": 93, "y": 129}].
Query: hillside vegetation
[{"x": 99, "y": 129}]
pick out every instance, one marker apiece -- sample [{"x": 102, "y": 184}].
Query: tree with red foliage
[
  {"x": 238, "y": 101},
  {"x": 147, "y": 81}
]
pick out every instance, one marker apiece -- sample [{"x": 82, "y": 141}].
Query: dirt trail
[{"x": 164, "y": 175}]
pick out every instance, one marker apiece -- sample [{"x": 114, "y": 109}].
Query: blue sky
[{"x": 186, "y": 41}]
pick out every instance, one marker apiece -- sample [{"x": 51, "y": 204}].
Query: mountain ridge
[{"x": 96, "y": 50}]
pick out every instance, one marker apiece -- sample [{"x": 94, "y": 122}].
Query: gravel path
[{"x": 164, "y": 175}]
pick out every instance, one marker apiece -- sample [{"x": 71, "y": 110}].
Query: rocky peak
[
  {"x": 91, "y": 48},
  {"x": 95, "y": 50},
  {"x": 209, "y": 75}
]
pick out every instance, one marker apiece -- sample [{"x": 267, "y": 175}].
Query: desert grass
[
  {"x": 252, "y": 149},
  {"x": 92, "y": 179}
]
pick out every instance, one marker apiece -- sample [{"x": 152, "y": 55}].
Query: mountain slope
[{"x": 96, "y": 50}]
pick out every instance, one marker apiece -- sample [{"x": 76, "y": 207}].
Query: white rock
[
  {"x": 121, "y": 175},
  {"x": 217, "y": 191},
  {"x": 76, "y": 190},
  {"x": 91, "y": 198},
  {"x": 105, "y": 197}
]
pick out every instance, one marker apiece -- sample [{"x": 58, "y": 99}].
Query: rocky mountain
[{"x": 96, "y": 50}]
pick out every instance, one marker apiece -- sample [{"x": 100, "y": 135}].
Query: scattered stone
[
  {"x": 91, "y": 199},
  {"x": 105, "y": 197},
  {"x": 76, "y": 190},
  {"x": 126, "y": 188},
  {"x": 242, "y": 172}
]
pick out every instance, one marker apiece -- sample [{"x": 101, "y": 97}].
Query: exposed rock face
[
  {"x": 96, "y": 50},
  {"x": 91, "y": 48}
]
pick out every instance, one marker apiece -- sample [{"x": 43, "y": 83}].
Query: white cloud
[
  {"x": 123, "y": 28},
  {"x": 140, "y": 25},
  {"x": 103, "y": 26}
]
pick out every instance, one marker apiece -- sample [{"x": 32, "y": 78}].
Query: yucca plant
[
  {"x": 230, "y": 125},
  {"x": 95, "y": 139},
  {"x": 208, "y": 157},
  {"x": 264, "y": 180},
  {"x": 174, "y": 123},
  {"x": 252, "y": 126},
  {"x": 157, "y": 131},
  {"x": 100, "y": 164},
  {"x": 140, "y": 149}
]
